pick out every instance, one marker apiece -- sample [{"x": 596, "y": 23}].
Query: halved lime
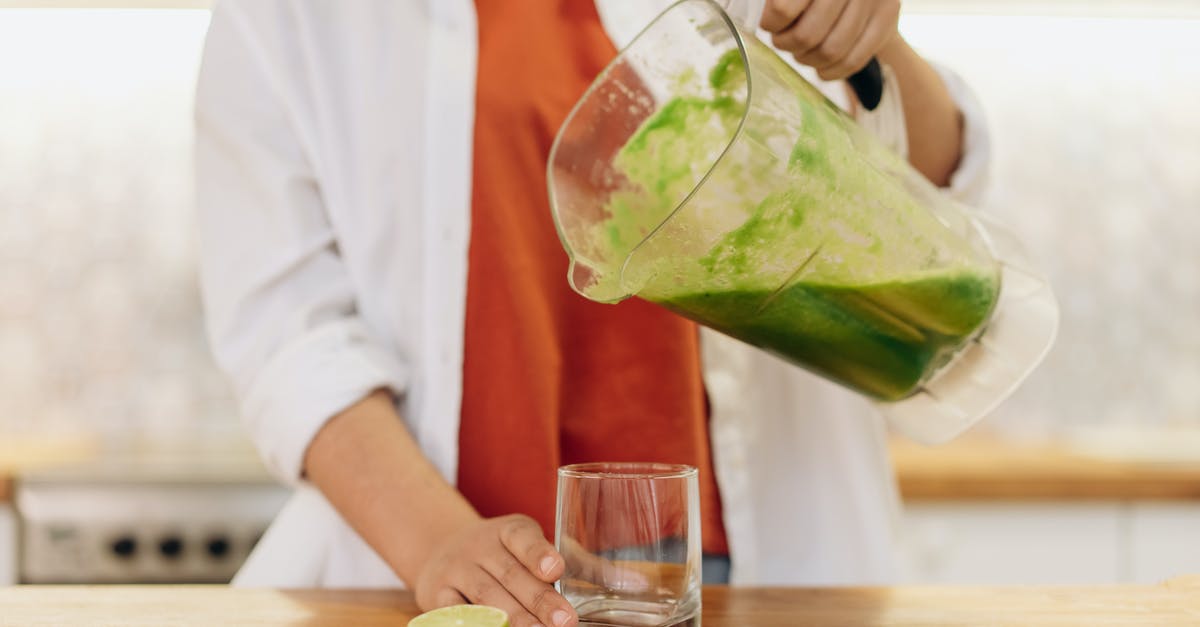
[{"x": 462, "y": 616}]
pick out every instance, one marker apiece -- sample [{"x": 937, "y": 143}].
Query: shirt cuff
[
  {"x": 969, "y": 180},
  {"x": 310, "y": 380}
]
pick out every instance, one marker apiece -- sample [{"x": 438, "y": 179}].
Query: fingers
[
  {"x": 527, "y": 569},
  {"x": 447, "y": 597},
  {"x": 523, "y": 538},
  {"x": 479, "y": 587},
  {"x": 778, "y": 15},
  {"x": 842, "y": 37},
  {"x": 875, "y": 34},
  {"x": 587, "y": 566},
  {"x": 536, "y": 596},
  {"x": 620, "y": 577},
  {"x": 810, "y": 29},
  {"x": 837, "y": 37},
  {"x": 503, "y": 562}
]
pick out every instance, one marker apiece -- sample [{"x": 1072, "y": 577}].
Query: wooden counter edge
[
  {"x": 923, "y": 489},
  {"x": 1172, "y": 603},
  {"x": 977, "y": 469}
]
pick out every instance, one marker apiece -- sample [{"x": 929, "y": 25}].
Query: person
[{"x": 384, "y": 287}]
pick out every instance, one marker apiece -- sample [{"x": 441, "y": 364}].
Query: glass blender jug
[{"x": 702, "y": 173}]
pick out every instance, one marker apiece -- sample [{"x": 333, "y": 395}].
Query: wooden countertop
[
  {"x": 1174, "y": 603},
  {"x": 974, "y": 467},
  {"x": 23, "y": 453},
  {"x": 986, "y": 467}
]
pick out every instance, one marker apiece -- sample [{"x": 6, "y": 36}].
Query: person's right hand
[
  {"x": 836, "y": 37},
  {"x": 504, "y": 562}
]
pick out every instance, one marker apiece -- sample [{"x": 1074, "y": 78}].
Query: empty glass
[{"x": 630, "y": 534}]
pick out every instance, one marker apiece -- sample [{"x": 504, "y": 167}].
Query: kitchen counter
[
  {"x": 1174, "y": 603},
  {"x": 983, "y": 467},
  {"x": 23, "y": 453},
  {"x": 973, "y": 467}
]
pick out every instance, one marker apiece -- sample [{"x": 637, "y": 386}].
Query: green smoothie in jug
[
  {"x": 879, "y": 339},
  {"x": 875, "y": 295}
]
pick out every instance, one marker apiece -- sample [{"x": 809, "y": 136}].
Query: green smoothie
[
  {"x": 789, "y": 243},
  {"x": 879, "y": 339}
]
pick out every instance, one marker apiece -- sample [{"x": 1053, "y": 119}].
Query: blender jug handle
[{"x": 867, "y": 83}]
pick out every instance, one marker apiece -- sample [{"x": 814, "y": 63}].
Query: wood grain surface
[
  {"x": 19, "y": 454},
  {"x": 986, "y": 468},
  {"x": 1173, "y": 603},
  {"x": 969, "y": 468}
]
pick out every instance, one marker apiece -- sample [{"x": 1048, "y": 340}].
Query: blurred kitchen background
[{"x": 1091, "y": 473}]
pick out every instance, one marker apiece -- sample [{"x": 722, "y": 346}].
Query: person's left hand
[{"x": 837, "y": 37}]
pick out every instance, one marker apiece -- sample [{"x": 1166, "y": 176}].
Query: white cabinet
[
  {"x": 1011, "y": 543},
  {"x": 8, "y": 545},
  {"x": 1018, "y": 542},
  {"x": 1164, "y": 541}
]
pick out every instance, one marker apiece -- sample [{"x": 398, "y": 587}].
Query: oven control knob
[
  {"x": 218, "y": 547},
  {"x": 124, "y": 547},
  {"x": 170, "y": 547}
]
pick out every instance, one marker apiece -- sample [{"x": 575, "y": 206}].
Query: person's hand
[
  {"x": 583, "y": 565},
  {"x": 837, "y": 37},
  {"x": 503, "y": 562}
]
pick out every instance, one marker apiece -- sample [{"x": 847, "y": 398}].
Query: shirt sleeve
[
  {"x": 280, "y": 306},
  {"x": 969, "y": 180}
]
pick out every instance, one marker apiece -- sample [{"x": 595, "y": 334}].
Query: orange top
[{"x": 551, "y": 378}]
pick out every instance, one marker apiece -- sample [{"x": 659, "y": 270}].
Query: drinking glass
[{"x": 630, "y": 534}]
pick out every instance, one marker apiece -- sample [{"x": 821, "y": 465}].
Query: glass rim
[{"x": 627, "y": 470}]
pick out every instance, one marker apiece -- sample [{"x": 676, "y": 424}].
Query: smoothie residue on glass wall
[{"x": 815, "y": 257}]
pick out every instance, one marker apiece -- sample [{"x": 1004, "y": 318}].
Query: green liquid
[
  {"x": 879, "y": 339},
  {"x": 888, "y": 293}
]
